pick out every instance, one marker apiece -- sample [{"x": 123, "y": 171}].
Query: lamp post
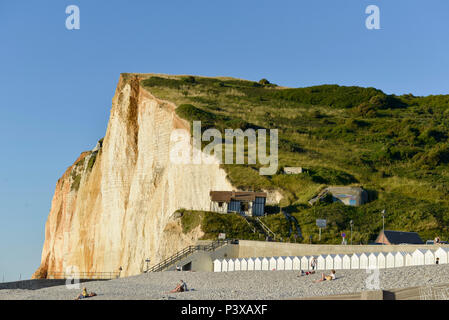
[
  {"x": 351, "y": 223},
  {"x": 147, "y": 260},
  {"x": 383, "y": 226}
]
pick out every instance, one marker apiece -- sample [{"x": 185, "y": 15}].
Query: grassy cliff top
[{"x": 396, "y": 147}]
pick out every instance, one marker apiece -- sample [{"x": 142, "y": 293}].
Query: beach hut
[
  {"x": 355, "y": 261},
  {"x": 265, "y": 264},
  {"x": 338, "y": 262},
  {"x": 305, "y": 262},
  {"x": 389, "y": 260},
  {"x": 363, "y": 261},
  {"x": 217, "y": 265},
  {"x": 250, "y": 264},
  {"x": 224, "y": 265},
  {"x": 381, "y": 260},
  {"x": 429, "y": 257},
  {"x": 321, "y": 262},
  {"x": 399, "y": 259},
  {"x": 237, "y": 265},
  {"x": 243, "y": 264},
  {"x": 418, "y": 257},
  {"x": 442, "y": 254},
  {"x": 280, "y": 261},
  {"x": 272, "y": 263},
  {"x": 408, "y": 259},
  {"x": 330, "y": 261},
  {"x": 372, "y": 260},
  {"x": 288, "y": 263},
  {"x": 257, "y": 264},
  {"x": 296, "y": 263},
  {"x": 346, "y": 263},
  {"x": 231, "y": 265}
]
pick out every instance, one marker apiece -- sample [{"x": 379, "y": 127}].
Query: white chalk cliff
[{"x": 114, "y": 207}]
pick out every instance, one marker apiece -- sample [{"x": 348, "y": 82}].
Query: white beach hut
[
  {"x": 330, "y": 261},
  {"x": 237, "y": 264},
  {"x": 217, "y": 265},
  {"x": 381, "y": 260},
  {"x": 265, "y": 264},
  {"x": 408, "y": 259},
  {"x": 346, "y": 264},
  {"x": 355, "y": 261},
  {"x": 243, "y": 264},
  {"x": 224, "y": 265},
  {"x": 418, "y": 257},
  {"x": 305, "y": 262},
  {"x": 442, "y": 254},
  {"x": 250, "y": 264},
  {"x": 429, "y": 257},
  {"x": 338, "y": 262},
  {"x": 288, "y": 263},
  {"x": 363, "y": 261},
  {"x": 296, "y": 263},
  {"x": 372, "y": 260},
  {"x": 231, "y": 265},
  {"x": 321, "y": 262},
  {"x": 272, "y": 263},
  {"x": 399, "y": 259},
  {"x": 257, "y": 264},
  {"x": 389, "y": 260},
  {"x": 280, "y": 262}
]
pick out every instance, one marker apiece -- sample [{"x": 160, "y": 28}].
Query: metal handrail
[{"x": 186, "y": 252}]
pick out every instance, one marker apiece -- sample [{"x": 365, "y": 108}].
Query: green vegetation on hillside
[{"x": 396, "y": 147}]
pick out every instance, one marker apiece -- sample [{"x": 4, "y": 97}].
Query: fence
[{"x": 83, "y": 275}]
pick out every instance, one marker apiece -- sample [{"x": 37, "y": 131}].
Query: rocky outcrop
[{"x": 114, "y": 207}]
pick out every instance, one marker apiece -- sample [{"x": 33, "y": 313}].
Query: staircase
[
  {"x": 266, "y": 229},
  {"x": 170, "y": 261}
]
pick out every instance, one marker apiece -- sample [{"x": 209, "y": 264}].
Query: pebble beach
[{"x": 239, "y": 285}]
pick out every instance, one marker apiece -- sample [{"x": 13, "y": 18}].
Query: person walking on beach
[{"x": 313, "y": 264}]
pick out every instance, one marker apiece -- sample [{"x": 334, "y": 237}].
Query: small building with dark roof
[
  {"x": 243, "y": 202},
  {"x": 398, "y": 237}
]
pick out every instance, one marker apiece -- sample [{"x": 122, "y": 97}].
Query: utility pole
[{"x": 383, "y": 226}]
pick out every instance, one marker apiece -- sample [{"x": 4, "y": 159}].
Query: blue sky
[{"x": 56, "y": 85}]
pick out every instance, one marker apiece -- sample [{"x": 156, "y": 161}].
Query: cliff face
[{"x": 114, "y": 206}]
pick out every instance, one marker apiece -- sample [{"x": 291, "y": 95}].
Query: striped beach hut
[
  {"x": 305, "y": 262},
  {"x": 418, "y": 257},
  {"x": 408, "y": 259},
  {"x": 381, "y": 260},
  {"x": 372, "y": 260},
  {"x": 399, "y": 259},
  {"x": 224, "y": 265}
]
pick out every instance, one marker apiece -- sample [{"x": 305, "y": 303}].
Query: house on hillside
[
  {"x": 398, "y": 237},
  {"x": 243, "y": 202},
  {"x": 351, "y": 196}
]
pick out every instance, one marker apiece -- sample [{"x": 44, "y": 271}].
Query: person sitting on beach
[
  {"x": 85, "y": 294},
  {"x": 329, "y": 277},
  {"x": 181, "y": 287}
]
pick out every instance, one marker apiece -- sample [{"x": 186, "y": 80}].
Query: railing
[
  {"x": 83, "y": 275},
  {"x": 265, "y": 228},
  {"x": 186, "y": 252}
]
